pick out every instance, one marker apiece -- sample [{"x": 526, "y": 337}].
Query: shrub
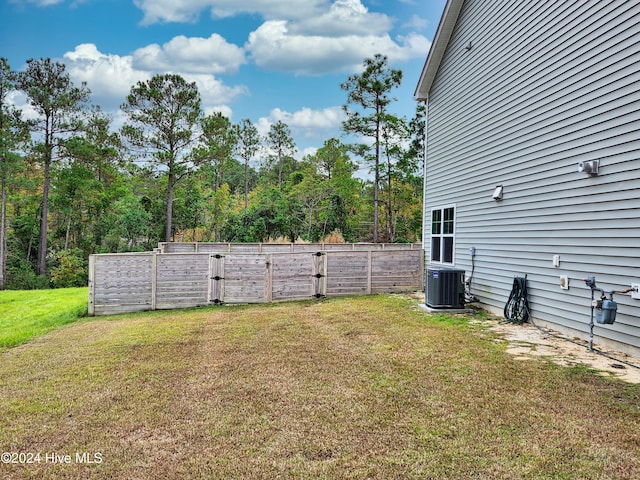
[
  {"x": 334, "y": 237},
  {"x": 21, "y": 276},
  {"x": 71, "y": 270}
]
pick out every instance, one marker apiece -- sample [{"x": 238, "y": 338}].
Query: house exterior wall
[{"x": 525, "y": 91}]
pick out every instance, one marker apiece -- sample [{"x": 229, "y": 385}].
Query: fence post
[
  {"x": 319, "y": 274},
  {"x": 369, "y": 272},
  {"x": 268, "y": 287},
  {"x": 216, "y": 275},
  {"x": 154, "y": 280},
  {"x": 92, "y": 279},
  {"x": 325, "y": 272}
]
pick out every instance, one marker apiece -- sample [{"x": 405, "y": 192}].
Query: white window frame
[{"x": 442, "y": 235}]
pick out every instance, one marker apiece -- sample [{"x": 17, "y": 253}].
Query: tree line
[{"x": 71, "y": 184}]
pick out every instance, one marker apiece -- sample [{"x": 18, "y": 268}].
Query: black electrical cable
[
  {"x": 516, "y": 309},
  {"x": 468, "y": 297}
]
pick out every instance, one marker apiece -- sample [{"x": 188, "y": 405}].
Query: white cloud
[
  {"x": 306, "y": 38},
  {"x": 40, "y": 3},
  {"x": 310, "y": 17},
  {"x": 110, "y": 78},
  {"x": 159, "y": 11},
  {"x": 156, "y": 11},
  {"x": 263, "y": 125},
  {"x": 274, "y": 47},
  {"x": 328, "y": 18},
  {"x": 305, "y": 122},
  {"x": 215, "y": 93},
  {"x": 345, "y": 17},
  {"x": 416, "y": 23},
  {"x": 326, "y": 118},
  {"x": 309, "y": 151},
  {"x": 19, "y": 100},
  {"x": 223, "y": 109},
  {"x": 118, "y": 119},
  {"x": 409, "y": 46},
  {"x": 198, "y": 55}
]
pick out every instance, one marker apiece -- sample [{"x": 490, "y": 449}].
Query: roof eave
[{"x": 438, "y": 47}]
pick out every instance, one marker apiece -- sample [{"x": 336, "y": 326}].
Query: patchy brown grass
[{"x": 366, "y": 387}]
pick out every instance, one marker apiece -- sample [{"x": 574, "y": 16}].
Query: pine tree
[{"x": 368, "y": 100}]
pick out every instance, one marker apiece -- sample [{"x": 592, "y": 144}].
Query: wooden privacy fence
[
  {"x": 223, "y": 247},
  {"x": 132, "y": 282}
]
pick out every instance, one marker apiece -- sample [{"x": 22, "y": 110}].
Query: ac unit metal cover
[{"x": 444, "y": 288}]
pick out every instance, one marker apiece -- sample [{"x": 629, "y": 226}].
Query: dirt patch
[{"x": 526, "y": 342}]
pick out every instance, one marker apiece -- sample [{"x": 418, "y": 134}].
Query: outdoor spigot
[{"x": 591, "y": 282}]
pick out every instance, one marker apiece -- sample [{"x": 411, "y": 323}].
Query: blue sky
[{"x": 266, "y": 60}]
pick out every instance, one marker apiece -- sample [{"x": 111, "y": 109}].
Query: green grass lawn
[
  {"x": 26, "y": 314},
  {"x": 349, "y": 388}
]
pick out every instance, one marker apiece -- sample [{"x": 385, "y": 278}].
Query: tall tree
[
  {"x": 164, "y": 113},
  {"x": 368, "y": 99},
  {"x": 129, "y": 221},
  {"x": 59, "y": 105},
  {"x": 329, "y": 156},
  {"x": 344, "y": 188},
  {"x": 416, "y": 151},
  {"x": 248, "y": 144},
  {"x": 13, "y": 131},
  {"x": 395, "y": 134},
  {"x": 218, "y": 141},
  {"x": 282, "y": 146},
  {"x": 327, "y": 192},
  {"x": 95, "y": 177}
]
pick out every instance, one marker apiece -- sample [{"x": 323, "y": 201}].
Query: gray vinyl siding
[{"x": 546, "y": 84}]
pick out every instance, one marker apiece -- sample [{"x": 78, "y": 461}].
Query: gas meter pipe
[
  {"x": 591, "y": 283},
  {"x": 607, "y": 307}
]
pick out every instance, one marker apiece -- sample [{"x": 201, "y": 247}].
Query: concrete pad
[{"x": 429, "y": 309}]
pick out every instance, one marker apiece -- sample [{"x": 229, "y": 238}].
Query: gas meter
[{"x": 605, "y": 310}]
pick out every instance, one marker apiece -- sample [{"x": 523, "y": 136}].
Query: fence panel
[
  {"x": 395, "y": 271},
  {"x": 292, "y": 276},
  {"x": 182, "y": 280},
  {"x": 149, "y": 281},
  {"x": 348, "y": 273},
  {"x": 246, "y": 278},
  {"x": 121, "y": 283}
]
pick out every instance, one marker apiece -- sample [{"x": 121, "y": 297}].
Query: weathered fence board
[
  {"x": 182, "y": 280},
  {"x": 394, "y": 272},
  {"x": 121, "y": 283},
  {"x": 348, "y": 273},
  {"x": 222, "y": 247},
  {"x": 245, "y": 278},
  {"x": 149, "y": 281},
  {"x": 291, "y": 276}
]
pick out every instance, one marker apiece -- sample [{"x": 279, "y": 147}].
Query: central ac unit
[{"x": 444, "y": 288}]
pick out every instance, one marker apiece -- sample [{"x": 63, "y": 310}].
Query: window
[{"x": 442, "y": 234}]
